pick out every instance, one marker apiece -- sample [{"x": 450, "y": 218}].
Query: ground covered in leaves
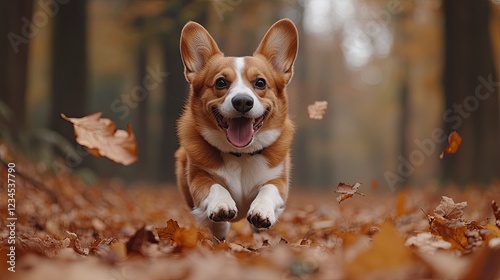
[{"x": 67, "y": 230}]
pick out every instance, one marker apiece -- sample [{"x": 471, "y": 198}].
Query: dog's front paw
[
  {"x": 221, "y": 212},
  {"x": 261, "y": 217}
]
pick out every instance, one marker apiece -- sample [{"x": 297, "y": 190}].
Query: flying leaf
[
  {"x": 101, "y": 138},
  {"x": 454, "y": 141},
  {"x": 346, "y": 191},
  {"x": 448, "y": 209},
  {"x": 317, "y": 110}
]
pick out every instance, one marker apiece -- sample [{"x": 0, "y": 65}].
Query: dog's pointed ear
[
  {"x": 197, "y": 47},
  {"x": 279, "y": 46}
]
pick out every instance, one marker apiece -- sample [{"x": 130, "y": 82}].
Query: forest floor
[{"x": 67, "y": 230}]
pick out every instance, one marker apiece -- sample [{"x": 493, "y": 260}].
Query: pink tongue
[{"x": 240, "y": 131}]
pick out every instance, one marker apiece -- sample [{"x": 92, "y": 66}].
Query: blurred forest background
[{"x": 398, "y": 75}]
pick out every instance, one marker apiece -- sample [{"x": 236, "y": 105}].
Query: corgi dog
[{"x": 235, "y": 133}]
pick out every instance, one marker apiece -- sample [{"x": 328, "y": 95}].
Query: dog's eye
[
  {"x": 260, "y": 83},
  {"x": 221, "y": 83}
]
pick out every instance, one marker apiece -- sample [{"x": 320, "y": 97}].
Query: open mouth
[{"x": 240, "y": 130}]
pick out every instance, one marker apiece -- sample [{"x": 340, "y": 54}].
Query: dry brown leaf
[
  {"x": 374, "y": 185},
  {"x": 317, "y": 110},
  {"x": 496, "y": 212},
  {"x": 49, "y": 246},
  {"x": 448, "y": 209},
  {"x": 401, "y": 204},
  {"x": 490, "y": 232},
  {"x": 186, "y": 238},
  {"x": 346, "y": 191},
  {"x": 427, "y": 242},
  {"x": 101, "y": 138},
  {"x": 484, "y": 265},
  {"x": 168, "y": 232},
  {"x": 454, "y": 141},
  {"x": 141, "y": 238},
  {"x": 448, "y": 224},
  {"x": 387, "y": 252},
  {"x": 444, "y": 264},
  {"x": 117, "y": 251}
]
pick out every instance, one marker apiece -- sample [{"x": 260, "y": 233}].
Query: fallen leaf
[
  {"x": 454, "y": 141},
  {"x": 496, "y": 212},
  {"x": 317, "y": 110},
  {"x": 49, "y": 246},
  {"x": 139, "y": 240},
  {"x": 374, "y": 185},
  {"x": 444, "y": 264},
  {"x": 448, "y": 209},
  {"x": 117, "y": 251},
  {"x": 387, "y": 252},
  {"x": 168, "y": 232},
  {"x": 448, "y": 224},
  {"x": 490, "y": 232},
  {"x": 101, "y": 138},
  {"x": 346, "y": 191},
  {"x": 401, "y": 204},
  {"x": 427, "y": 242},
  {"x": 452, "y": 231},
  {"x": 75, "y": 244},
  {"x": 186, "y": 238},
  {"x": 484, "y": 265}
]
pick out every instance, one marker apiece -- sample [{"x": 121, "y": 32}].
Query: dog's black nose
[{"x": 242, "y": 103}]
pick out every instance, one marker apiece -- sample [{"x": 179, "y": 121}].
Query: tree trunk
[
  {"x": 471, "y": 93},
  {"x": 142, "y": 114},
  {"x": 69, "y": 65},
  {"x": 176, "y": 90},
  {"x": 16, "y": 32}
]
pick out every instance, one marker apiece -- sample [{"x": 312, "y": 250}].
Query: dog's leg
[
  {"x": 216, "y": 210},
  {"x": 266, "y": 208}
]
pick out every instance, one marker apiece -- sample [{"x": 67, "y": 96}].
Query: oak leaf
[
  {"x": 101, "y": 138},
  {"x": 317, "y": 110},
  {"x": 346, "y": 191},
  {"x": 454, "y": 141}
]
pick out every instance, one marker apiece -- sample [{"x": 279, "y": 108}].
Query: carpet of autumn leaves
[{"x": 67, "y": 230}]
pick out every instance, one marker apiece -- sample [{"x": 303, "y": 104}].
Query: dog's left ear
[{"x": 279, "y": 46}]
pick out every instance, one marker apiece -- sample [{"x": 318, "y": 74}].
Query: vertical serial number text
[{"x": 11, "y": 217}]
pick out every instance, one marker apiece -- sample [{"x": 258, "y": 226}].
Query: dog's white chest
[{"x": 244, "y": 176}]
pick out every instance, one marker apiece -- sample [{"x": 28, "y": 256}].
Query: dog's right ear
[{"x": 197, "y": 47}]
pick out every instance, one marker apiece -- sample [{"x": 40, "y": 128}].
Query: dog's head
[{"x": 239, "y": 104}]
